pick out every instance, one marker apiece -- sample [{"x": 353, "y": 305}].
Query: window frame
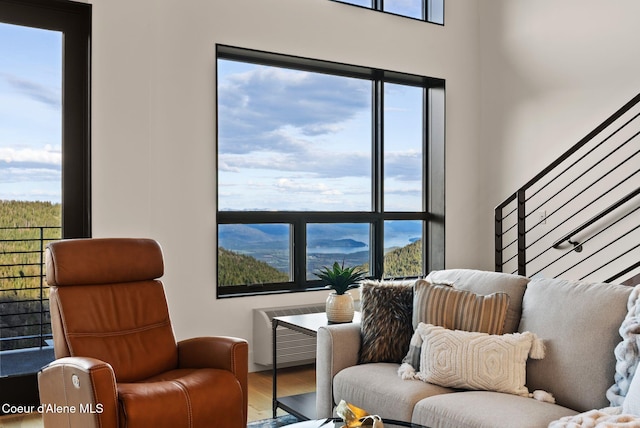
[
  {"x": 432, "y": 214},
  {"x": 73, "y": 19},
  {"x": 378, "y": 6}
]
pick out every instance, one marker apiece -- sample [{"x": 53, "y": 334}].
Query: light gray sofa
[{"x": 578, "y": 323}]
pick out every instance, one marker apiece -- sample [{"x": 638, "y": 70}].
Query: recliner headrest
[{"x": 103, "y": 261}]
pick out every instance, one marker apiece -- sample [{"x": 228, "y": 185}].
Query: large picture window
[{"x": 320, "y": 162}]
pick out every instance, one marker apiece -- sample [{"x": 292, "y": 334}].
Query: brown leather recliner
[{"x": 118, "y": 361}]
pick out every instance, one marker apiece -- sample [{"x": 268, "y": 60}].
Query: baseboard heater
[{"x": 294, "y": 348}]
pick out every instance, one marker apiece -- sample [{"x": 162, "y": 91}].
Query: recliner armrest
[
  {"x": 78, "y": 392},
  {"x": 338, "y": 347},
  {"x": 218, "y": 352}
]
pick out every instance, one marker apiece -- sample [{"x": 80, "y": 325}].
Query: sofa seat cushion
[
  {"x": 203, "y": 396},
  {"x": 485, "y": 409},
  {"x": 376, "y": 388}
]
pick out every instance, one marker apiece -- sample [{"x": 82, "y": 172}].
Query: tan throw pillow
[
  {"x": 456, "y": 309},
  {"x": 485, "y": 283},
  {"x": 443, "y": 305},
  {"x": 478, "y": 361}
]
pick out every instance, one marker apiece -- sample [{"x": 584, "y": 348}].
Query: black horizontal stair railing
[
  {"x": 592, "y": 220},
  {"x": 584, "y": 182}
]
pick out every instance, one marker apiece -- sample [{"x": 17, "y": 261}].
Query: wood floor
[{"x": 293, "y": 380}]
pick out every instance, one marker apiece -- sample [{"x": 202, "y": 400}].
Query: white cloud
[
  {"x": 46, "y": 155},
  {"x": 255, "y": 106},
  {"x": 30, "y": 174},
  {"x": 287, "y": 184}
]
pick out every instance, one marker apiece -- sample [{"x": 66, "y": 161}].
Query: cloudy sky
[
  {"x": 30, "y": 113},
  {"x": 294, "y": 140},
  {"x": 281, "y": 132}
]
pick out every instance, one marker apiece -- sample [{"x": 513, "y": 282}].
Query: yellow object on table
[{"x": 354, "y": 417}]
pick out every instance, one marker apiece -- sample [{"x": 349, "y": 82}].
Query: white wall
[
  {"x": 551, "y": 71},
  {"x": 525, "y": 80},
  {"x": 154, "y": 111}
]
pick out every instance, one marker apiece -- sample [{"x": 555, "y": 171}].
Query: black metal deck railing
[
  {"x": 24, "y": 294},
  {"x": 578, "y": 218}
]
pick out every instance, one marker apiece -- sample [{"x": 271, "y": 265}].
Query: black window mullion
[
  {"x": 76, "y": 177},
  {"x": 425, "y": 181},
  {"x": 377, "y": 156},
  {"x": 435, "y": 169},
  {"x": 299, "y": 259},
  {"x": 377, "y": 225}
]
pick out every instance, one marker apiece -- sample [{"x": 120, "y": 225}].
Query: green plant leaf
[{"x": 341, "y": 278}]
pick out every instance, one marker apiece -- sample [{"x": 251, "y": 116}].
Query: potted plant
[{"x": 340, "y": 279}]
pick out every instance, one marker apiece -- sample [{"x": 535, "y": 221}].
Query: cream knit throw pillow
[{"x": 478, "y": 361}]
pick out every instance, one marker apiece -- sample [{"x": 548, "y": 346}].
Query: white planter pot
[{"x": 339, "y": 307}]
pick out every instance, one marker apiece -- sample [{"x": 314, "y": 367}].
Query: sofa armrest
[
  {"x": 78, "y": 391},
  {"x": 338, "y": 347}
]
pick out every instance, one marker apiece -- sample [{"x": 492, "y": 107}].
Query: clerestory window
[
  {"x": 320, "y": 162},
  {"x": 425, "y": 10}
]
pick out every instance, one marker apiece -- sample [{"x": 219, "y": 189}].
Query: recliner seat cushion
[{"x": 210, "y": 397}]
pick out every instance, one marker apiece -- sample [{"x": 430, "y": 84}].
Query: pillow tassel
[
  {"x": 407, "y": 371},
  {"x": 537, "y": 348},
  {"x": 543, "y": 396}
]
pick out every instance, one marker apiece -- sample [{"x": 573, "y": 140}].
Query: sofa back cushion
[
  {"x": 578, "y": 323},
  {"x": 481, "y": 282}
]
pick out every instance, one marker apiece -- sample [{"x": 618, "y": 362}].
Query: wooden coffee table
[{"x": 337, "y": 423}]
